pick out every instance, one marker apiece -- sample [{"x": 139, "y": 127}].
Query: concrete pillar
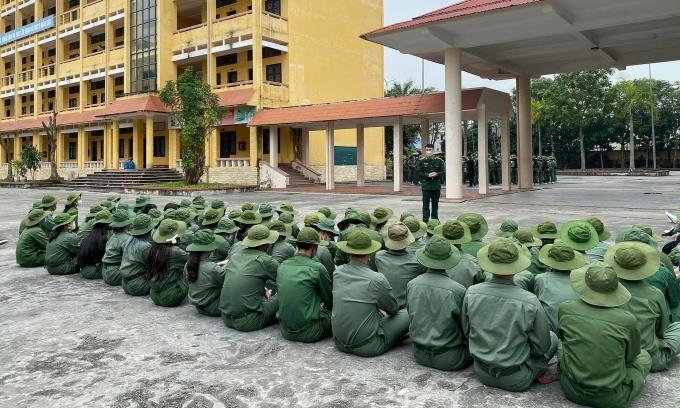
[
  {"x": 305, "y": 147},
  {"x": 148, "y": 136},
  {"x": 274, "y": 146},
  {"x": 398, "y": 156},
  {"x": 115, "y": 144},
  {"x": 83, "y": 148},
  {"x": 172, "y": 148},
  {"x": 505, "y": 152},
  {"x": 483, "y": 149},
  {"x": 17, "y": 147},
  {"x": 253, "y": 146},
  {"x": 454, "y": 133},
  {"x": 330, "y": 156},
  {"x": 38, "y": 143},
  {"x": 425, "y": 132},
  {"x": 136, "y": 150},
  {"x": 361, "y": 157},
  {"x": 59, "y": 152},
  {"x": 524, "y": 146}
]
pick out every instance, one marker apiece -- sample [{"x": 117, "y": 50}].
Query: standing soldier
[
  {"x": 552, "y": 166},
  {"x": 412, "y": 161},
  {"x": 470, "y": 170},
  {"x": 513, "y": 169},
  {"x": 430, "y": 171},
  {"x": 535, "y": 169},
  {"x": 491, "y": 172}
]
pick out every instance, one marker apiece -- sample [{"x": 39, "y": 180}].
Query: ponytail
[{"x": 193, "y": 263}]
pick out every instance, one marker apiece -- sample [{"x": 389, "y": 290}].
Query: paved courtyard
[{"x": 68, "y": 342}]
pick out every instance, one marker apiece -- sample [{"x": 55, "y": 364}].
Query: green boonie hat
[
  {"x": 124, "y": 206},
  {"x": 249, "y": 217},
  {"x": 103, "y": 217},
  {"x": 374, "y": 221},
  {"x": 602, "y": 232},
  {"x": 234, "y": 214},
  {"x": 212, "y": 216},
  {"x": 508, "y": 227},
  {"x": 284, "y": 230},
  {"x": 286, "y": 208},
  {"x": 121, "y": 218},
  {"x": 502, "y": 257},
  {"x": 249, "y": 207},
  {"x": 637, "y": 235},
  {"x": 218, "y": 204},
  {"x": 113, "y": 197},
  {"x": 48, "y": 201},
  {"x": 185, "y": 203},
  {"x": 579, "y": 235},
  {"x": 382, "y": 214},
  {"x": 438, "y": 253},
  {"x": 286, "y": 217},
  {"x": 431, "y": 225},
  {"x": 205, "y": 240},
  {"x": 182, "y": 214},
  {"x": 168, "y": 212},
  {"x": 633, "y": 260},
  {"x": 405, "y": 215},
  {"x": 198, "y": 202},
  {"x": 598, "y": 285},
  {"x": 169, "y": 231},
  {"x": 545, "y": 230},
  {"x": 398, "y": 237},
  {"x": 328, "y": 213},
  {"x": 351, "y": 218},
  {"x": 418, "y": 228},
  {"x": 34, "y": 217},
  {"x": 561, "y": 257},
  {"x": 455, "y": 232},
  {"x": 62, "y": 219},
  {"x": 312, "y": 218},
  {"x": 72, "y": 211},
  {"x": 141, "y": 224},
  {"x": 141, "y": 201},
  {"x": 226, "y": 226},
  {"x": 266, "y": 210},
  {"x": 477, "y": 224},
  {"x": 359, "y": 243},
  {"x": 73, "y": 197},
  {"x": 109, "y": 205},
  {"x": 327, "y": 225},
  {"x": 648, "y": 230},
  {"x": 95, "y": 209},
  {"x": 156, "y": 215},
  {"x": 260, "y": 235},
  {"x": 526, "y": 238},
  {"x": 37, "y": 204},
  {"x": 308, "y": 235}
]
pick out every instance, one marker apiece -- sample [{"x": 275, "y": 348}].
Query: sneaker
[{"x": 3, "y": 241}]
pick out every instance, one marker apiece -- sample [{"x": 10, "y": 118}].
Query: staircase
[
  {"x": 117, "y": 179},
  {"x": 294, "y": 176}
]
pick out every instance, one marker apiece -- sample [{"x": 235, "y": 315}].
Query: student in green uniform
[
  {"x": 633, "y": 262},
  {"x": 22, "y": 224},
  {"x": 327, "y": 233},
  {"x": 579, "y": 235},
  {"x": 227, "y": 229},
  {"x": 113, "y": 253},
  {"x": 430, "y": 226},
  {"x": 49, "y": 204},
  {"x": 366, "y": 318},
  {"x": 526, "y": 239},
  {"x": 220, "y": 206},
  {"x": 165, "y": 265},
  {"x": 478, "y": 229},
  {"x": 597, "y": 253},
  {"x": 507, "y": 329},
  {"x": 210, "y": 219},
  {"x": 266, "y": 212},
  {"x": 71, "y": 206},
  {"x": 205, "y": 278},
  {"x": 289, "y": 219},
  {"x": 601, "y": 362},
  {"x": 135, "y": 253},
  {"x": 430, "y": 171},
  {"x": 30, "y": 249},
  {"x": 61, "y": 253},
  {"x": 286, "y": 207},
  {"x": 358, "y": 220},
  {"x": 305, "y": 292},
  {"x": 282, "y": 249},
  {"x": 466, "y": 271},
  {"x": 93, "y": 248},
  {"x": 328, "y": 213},
  {"x": 141, "y": 202},
  {"x": 86, "y": 228},
  {"x": 546, "y": 231},
  {"x": 418, "y": 230},
  {"x": 198, "y": 205},
  {"x": 434, "y": 308},
  {"x": 247, "y": 219},
  {"x": 398, "y": 265},
  {"x": 245, "y": 303},
  {"x": 507, "y": 228},
  {"x": 382, "y": 215}
]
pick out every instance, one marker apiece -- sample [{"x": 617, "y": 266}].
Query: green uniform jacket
[
  {"x": 425, "y": 166},
  {"x": 597, "y": 254},
  {"x": 416, "y": 245},
  {"x": 434, "y": 307},
  {"x": 282, "y": 250},
  {"x": 536, "y": 266},
  {"x": 85, "y": 230},
  {"x": 204, "y": 293},
  {"x": 172, "y": 290},
  {"x": 186, "y": 239},
  {"x": 648, "y": 306},
  {"x": 243, "y": 290},
  {"x": 133, "y": 267},
  {"x": 467, "y": 272},
  {"x": 325, "y": 257},
  {"x": 237, "y": 247},
  {"x": 472, "y": 247},
  {"x": 221, "y": 253},
  {"x": 667, "y": 283},
  {"x": 552, "y": 289},
  {"x": 399, "y": 267},
  {"x": 61, "y": 255},
  {"x": 30, "y": 250},
  {"x": 113, "y": 257},
  {"x": 303, "y": 284},
  {"x": 358, "y": 293},
  {"x": 342, "y": 258},
  {"x": 91, "y": 271},
  {"x": 504, "y": 324}
]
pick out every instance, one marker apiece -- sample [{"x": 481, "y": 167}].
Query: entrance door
[
  {"x": 227, "y": 144},
  {"x": 93, "y": 151}
]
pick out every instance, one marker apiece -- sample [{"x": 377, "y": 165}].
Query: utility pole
[
  {"x": 653, "y": 100},
  {"x": 422, "y": 71}
]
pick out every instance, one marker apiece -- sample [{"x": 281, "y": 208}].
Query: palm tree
[
  {"x": 631, "y": 95},
  {"x": 409, "y": 132}
]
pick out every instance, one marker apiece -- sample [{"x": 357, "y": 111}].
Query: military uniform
[
  {"x": 282, "y": 250},
  {"x": 399, "y": 267},
  {"x": 204, "y": 293},
  {"x": 172, "y": 290},
  {"x": 472, "y": 247},
  {"x": 467, "y": 272},
  {"x": 552, "y": 289},
  {"x": 342, "y": 258},
  {"x": 61, "y": 254},
  {"x": 325, "y": 257},
  {"x": 133, "y": 267},
  {"x": 597, "y": 254},
  {"x": 85, "y": 229},
  {"x": 113, "y": 257},
  {"x": 431, "y": 186},
  {"x": 221, "y": 253},
  {"x": 667, "y": 283},
  {"x": 30, "y": 249}
]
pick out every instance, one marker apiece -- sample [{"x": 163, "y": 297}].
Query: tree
[
  {"x": 409, "y": 132},
  {"x": 629, "y": 96},
  {"x": 537, "y": 108},
  {"x": 31, "y": 157},
  {"x": 51, "y": 131},
  {"x": 197, "y": 110}
]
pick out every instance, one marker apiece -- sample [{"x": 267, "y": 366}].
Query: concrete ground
[{"x": 68, "y": 342}]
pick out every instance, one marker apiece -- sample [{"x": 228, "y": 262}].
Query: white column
[
  {"x": 454, "y": 133},
  {"x": 330, "y": 156},
  {"x": 425, "y": 131},
  {"x": 274, "y": 146},
  {"x": 483, "y": 149},
  {"x": 505, "y": 152},
  {"x": 398, "y": 156},
  {"x": 360, "y": 156},
  {"x": 524, "y": 147}
]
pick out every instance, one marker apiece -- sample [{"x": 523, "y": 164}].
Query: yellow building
[{"x": 100, "y": 63}]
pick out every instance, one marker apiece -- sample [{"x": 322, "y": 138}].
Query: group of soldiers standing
[{"x": 545, "y": 169}]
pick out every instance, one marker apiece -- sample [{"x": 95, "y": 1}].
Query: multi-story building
[{"x": 100, "y": 64}]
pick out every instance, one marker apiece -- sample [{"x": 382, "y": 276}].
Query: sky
[{"x": 400, "y": 67}]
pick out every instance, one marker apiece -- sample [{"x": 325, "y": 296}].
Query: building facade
[{"x": 100, "y": 63}]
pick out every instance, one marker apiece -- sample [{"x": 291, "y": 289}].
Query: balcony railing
[
  {"x": 69, "y": 17},
  {"x": 232, "y": 27},
  {"x": 8, "y": 80},
  {"x": 275, "y": 27},
  {"x": 68, "y": 165},
  {"x": 236, "y": 85},
  {"x": 26, "y": 76},
  {"x": 47, "y": 70},
  {"x": 233, "y": 162},
  {"x": 94, "y": 164},
  {"x": 191, "y": 37},
  {"x": 91, "y": 11}
]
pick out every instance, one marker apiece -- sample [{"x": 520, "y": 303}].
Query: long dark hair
[
  {"x": 157, "y": 261},
  {"x": 69, "y": 206},
  {"x": 55, "y": 232},
  {"x": 93, "y": 247},
  {"x": 193, "y": 263}
]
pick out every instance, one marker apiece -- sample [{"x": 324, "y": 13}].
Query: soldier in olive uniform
[
  {"x": 513, "y": 169},
  {"x": 430, "y": 171}
]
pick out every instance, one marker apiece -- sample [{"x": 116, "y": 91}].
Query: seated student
[
  {"x": 71, "y": 207},
  {"x": 205, "y": 278},
  {"x": 478, "y": 229},
  {"x": 30, "y": 250},
  {"x": 227, "y": 229},
  {"x": 467, "y": 271},
  {"x": 186, "y": 216},
  {"x": 140, "y": 203},
  {"x": 601, "y": 362},
  {"x": 434, "y": 307},
  {"x": 129, "y": 164},
  {"x": 358, "y": 220},
  {"x": 22, "y": 224},
  {"x": 530, "y": 248},
  {"x": 93, "y": 248},
  {"x": 546, "y": 231},
  {"x": 135, "y": 253},
  {"x": 289, "y": 219},
  {"x": 165, "y": 265},
  {"x": 245, "y": 303},
  {"x": 305, "y": 292},
  {"x": 507, "y": 228},
  {"x": 211, "y": 218},
  {"x": 113, "y": 254},
  {"x": 86, "y": 228},
  {"x": 282, "y": 249},
  {"x": 327, "y": 233},
  {"x": 597, "y": 253},
  {"x": 61, "y": 253},
  {"x": 366, "y": 318},
  {"x": 418, "y": 230},
  {"x": 507, "y": 329},
  {"x": 633, "y": 262}
]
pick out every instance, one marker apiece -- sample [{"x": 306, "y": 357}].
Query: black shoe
[{"x": 3, "y": 241}]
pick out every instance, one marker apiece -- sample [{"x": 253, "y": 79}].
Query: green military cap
[
  {"x": 633, "y": 261},
  {"x": 366, "y": 218},
  {"x": 648, "y": 230},
  {"x": 156, "y": 215},
  {"x": 579, "y": 235},
  {"x": 249, "y": 217},
  {"x": 526, "y": 238},
  {"x": 169, "y": 231},
  {"x": 561, "y": 256},
  {"x": 34, "y": 217},
  {"x": 113, "y": 197},
  {"x": 431, "y": 225},
  {"x": 545, "y": 230},
  {"x": 476, "y": 223},
  {"x": 205, "y": 240},
  {"x": 508, "y": 227},
  {"x": 266, "y": 210},
  {"x": 352, "y": 218},
  {"x": 312, "y": 218},
  {"x": 234, "y": 214},
  {"x": 438, "y": 253},
  {"x": 37, "y": 204},
  {"x": 169, "y": 211},
  {"x": 418, "y": 228},
  {"x": 93, "y": 210},
  {"x": 48, "y": 201},
  {"x": 284, "y": 230},
  {"x": 382, "y": 214},
  {"x": 182, "y": 214},
  {"x": 636, "y": 234},
  {"x": 124, "y": 206},
  {"x": 328, "y": 213},
  {"x": 226, "y": 226},
  {"x": 327, "y": 225},
  {"x": 109, "y": 205},
  {"x": 198, "y": 202},
  {"x": 103, "y": 217},
  {"x": 260, "y": 235},
  {"x": 398, "y": 237},
  {"x": 308, "y": 235},
  {"x": 218, "y": 204},
  {"x": 502, "y": 257},
  {"x": 456, "y": 232},
  {"x": 73, "y": 197},
  {"x": 359, "y": 243},
  {"x": 602, "y": 232},
  {"x": 121, "y": 218},
  {"x": 249, "y": 207},
  {"x": 598, "y": 285},
  {"x": 212, "y": 216},
  {"x": 286, "y": 208},
  {"x": 405, "y": 215},
  {"x": 141, "y": 224},
  {"x": 286, "y": 217},
  {"x": 62, "y": 219},
  {"x": 142, "y": 201},
  {"x": 185, "y": 203}
]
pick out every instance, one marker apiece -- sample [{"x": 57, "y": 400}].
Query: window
[
  {"x": 97, "y": 38},
  {"x": 272, "y": 6},
  {"x": 121, "y": 148},
  {"x": 228, "y": 59},
  {"x": 8, "y": 28},
  {"x": 74, "y": 46},
  {"x": 73, "y": 103},
  {"x": 227, "y": 144},
  {"x": 224, "y": 3},
  {"x": 274, "y": 73},
  {"x": 51, "y": 52},
  {"x": 98, "y": 85},
  {"x": 8, "y": 65},
  {"x": 23, "y": 110},
  {"x": 74, "y": 89},
  {"x": 250, "y": 74},
  {"x": 118, "y": 81},
  {"x": 159, "y": 146},
  {"x": 50, "y": 106},
  {"x": 270, "y": 52},
  {"x": 120, "y": 31},
  {"x": 249, "y": 55},
  {"x": 7, "y": 102},
  {"x": 94, "y": 99},
  {"x": 232, "y": 77},
  {"x": 51, "y": 94},
  {"x": 73, "y": 3},
  {"x": 265, "y": 142},
  {"x": 143, "y": 49},
  {"x": 23, "y": 99},
  {"x": 72, "y": 150},
  {"x": 50, "y": 11}
]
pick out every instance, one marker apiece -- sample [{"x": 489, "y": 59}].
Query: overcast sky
[{"x": 400, "y": 67}]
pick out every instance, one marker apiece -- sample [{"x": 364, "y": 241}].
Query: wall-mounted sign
[
  {"x": 27, "y": 30},
  {"x": 243, "y": 114}
]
